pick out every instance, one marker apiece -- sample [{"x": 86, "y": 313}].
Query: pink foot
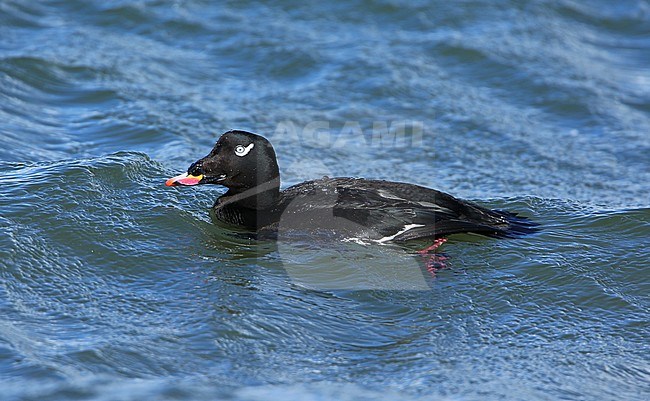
[
  {"x": 432, "y": 261},
  {"x": 432, "y": 247}
]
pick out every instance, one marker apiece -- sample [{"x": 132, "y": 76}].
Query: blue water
[{"x": 115, "y": 287}]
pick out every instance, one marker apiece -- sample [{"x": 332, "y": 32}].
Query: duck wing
[{"x": 392, "y": 211}]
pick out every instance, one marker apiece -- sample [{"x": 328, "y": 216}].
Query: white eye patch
[{"x": 241, "y": 151}]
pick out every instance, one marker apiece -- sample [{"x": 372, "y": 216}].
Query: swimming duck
[{"x": 369, "y": 210}]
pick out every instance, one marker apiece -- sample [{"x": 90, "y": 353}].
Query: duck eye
[{"x": 240, "y": 150}]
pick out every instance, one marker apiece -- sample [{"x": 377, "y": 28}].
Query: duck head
[{"x": 240, "y": 161}]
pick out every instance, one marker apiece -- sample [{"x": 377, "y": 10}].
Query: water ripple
[{"x": 114, "y": 286}]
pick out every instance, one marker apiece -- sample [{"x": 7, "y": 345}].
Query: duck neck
[{"x": 262, "y": 196}]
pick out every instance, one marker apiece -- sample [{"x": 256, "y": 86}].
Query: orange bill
[{"x": 184, "y": 179}]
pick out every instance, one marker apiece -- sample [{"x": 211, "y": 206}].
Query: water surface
[{"x": 113, "y": 286}]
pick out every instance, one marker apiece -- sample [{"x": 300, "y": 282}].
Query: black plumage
[{"x": 374, "y": 210}]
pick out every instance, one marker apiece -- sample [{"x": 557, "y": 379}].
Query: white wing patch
[
  {"x": 242, "y": 151},
  {"x": 405, "y": 229}
]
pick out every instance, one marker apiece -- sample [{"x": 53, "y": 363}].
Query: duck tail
[{"x": 518, "y": 226}]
